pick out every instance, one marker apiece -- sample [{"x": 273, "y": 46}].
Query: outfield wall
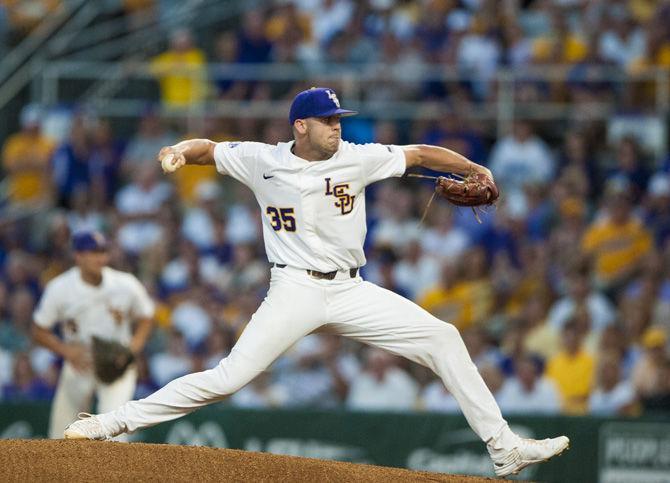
[{"x": 604, "y": 450}]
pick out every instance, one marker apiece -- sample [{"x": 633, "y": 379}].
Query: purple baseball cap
[
  {"x": 316, "y": 102},
  {"x": 89, "y": 241}
]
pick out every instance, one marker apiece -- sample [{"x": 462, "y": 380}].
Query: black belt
[{"x": 322, "y": 275}]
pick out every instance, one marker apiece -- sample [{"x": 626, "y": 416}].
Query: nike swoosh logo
[{"x": 268, "y": 177}]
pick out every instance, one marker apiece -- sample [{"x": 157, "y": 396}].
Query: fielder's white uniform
[
  {"x": 84, "y": 311},
  {"x": 314, "y": 219}
]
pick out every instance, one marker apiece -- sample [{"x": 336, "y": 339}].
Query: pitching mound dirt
[{"x": 45, "y": 460}]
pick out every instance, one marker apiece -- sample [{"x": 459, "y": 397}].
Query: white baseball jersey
[
  {"x": 86, "y": 310},
  {"x": 313, "y": 211}
]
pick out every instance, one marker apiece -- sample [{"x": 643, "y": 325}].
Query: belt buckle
[
  {"x": 331, "y": 275},
  {"x": 322, "y": 275}
]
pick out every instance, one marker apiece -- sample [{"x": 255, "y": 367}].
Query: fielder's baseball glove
[
  {"x": 476, "y": 189},
  {"x": 110, "y": 359}
]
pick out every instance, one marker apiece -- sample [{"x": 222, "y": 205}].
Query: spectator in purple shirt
[{"x": 253, "y": 45}]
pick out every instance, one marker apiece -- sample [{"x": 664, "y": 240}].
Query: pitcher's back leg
[{"x": 277, "y": 324}]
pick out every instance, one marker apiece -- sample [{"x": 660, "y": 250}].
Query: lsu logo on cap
[
  {"x": 99, "y": 239},
  {"x": 333, "y": 97}
]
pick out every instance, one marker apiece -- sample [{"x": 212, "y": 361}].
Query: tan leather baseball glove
[{"x": 476, "y": 189}]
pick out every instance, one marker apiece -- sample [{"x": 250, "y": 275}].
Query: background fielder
[
  {"x": 90, "y": 300},
  {"x": 311, "y": 195}
]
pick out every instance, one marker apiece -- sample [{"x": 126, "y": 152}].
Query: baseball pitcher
[
  {"x": 311, "y": 192},
  {"x": 95, "y": 306}
]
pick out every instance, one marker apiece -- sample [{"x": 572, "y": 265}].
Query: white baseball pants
[
  {"x": 75, "y": 391},
  {"x": 298, "y": 304}
]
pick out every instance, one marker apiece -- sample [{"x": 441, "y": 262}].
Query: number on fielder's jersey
[{"x": 281, "y": 217}]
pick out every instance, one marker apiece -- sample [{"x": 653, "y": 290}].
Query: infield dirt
[{"x": 60, "y": 460}]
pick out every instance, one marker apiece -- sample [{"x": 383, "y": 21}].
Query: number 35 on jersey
[{"x": 281, "y": 218}]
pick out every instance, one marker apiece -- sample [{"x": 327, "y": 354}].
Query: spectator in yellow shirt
[
  {"x": 648, "y": 370},
  {"x": 560, "y": 45},
  {"x": 25, "y": 160},
  {"x": 440, "y": 300},
  {"x": 464, "y": 295},
  {"x": 288, "y": 20},
  {"x": 541, "y": 338},
  {"x": 618, "y": 242},
  {"x": 181, "y": 72},
  {"x": 187, "y": 180},
  {"x": 659, "y": 49},
  {"x": 657, "y": 52},
  {"x": 572, "y": 370}
]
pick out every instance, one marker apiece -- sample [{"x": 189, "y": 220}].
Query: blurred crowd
[
  {"x": 561, "y": 292},
  {"x": 576, "y": 49},
  {"x": 587, "y": 40}
]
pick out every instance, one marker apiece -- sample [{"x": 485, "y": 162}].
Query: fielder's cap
[
  {"x": 89, "y": 241},
  {"x": 316, "y": 102}
]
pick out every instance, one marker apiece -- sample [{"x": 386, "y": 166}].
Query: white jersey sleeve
[
  {"x": 238, "y": 159},
  {"x": 142, "y": 306},
  {"x": 48, "y": 313},
  {"x": 381, "y": 161}
]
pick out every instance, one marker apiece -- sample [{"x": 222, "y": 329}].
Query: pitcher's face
[{"x": 324, "y": 134}]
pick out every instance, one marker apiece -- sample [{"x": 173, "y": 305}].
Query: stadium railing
[{"x": 50, "y": 88}]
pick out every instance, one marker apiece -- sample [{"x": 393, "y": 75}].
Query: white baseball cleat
[
  {"x": 88, "y": 426},
  {"x": 528, "y": 452}
]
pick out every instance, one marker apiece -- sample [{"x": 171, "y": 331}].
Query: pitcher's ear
[{"x": 300, "y": 126}]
